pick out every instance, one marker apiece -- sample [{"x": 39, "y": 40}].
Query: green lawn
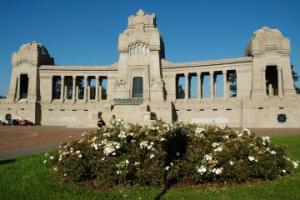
[{"x": 29, "y": 178}]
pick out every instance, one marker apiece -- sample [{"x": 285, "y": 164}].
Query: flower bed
[{"x": 166, "y": 153}]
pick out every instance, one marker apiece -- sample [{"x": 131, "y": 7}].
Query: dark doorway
[
  {"x": 23, "y": 86},
  {"x": 271, "y": 80},
  {"x": 137, "y": 87}
]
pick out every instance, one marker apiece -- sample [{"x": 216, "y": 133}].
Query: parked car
[
  {"x": 25, "y": 122},
  {"x": 2, "y": 123}
]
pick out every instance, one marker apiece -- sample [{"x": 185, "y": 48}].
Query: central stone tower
[{"x": 140, "y": 51}]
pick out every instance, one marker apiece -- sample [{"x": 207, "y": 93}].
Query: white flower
[
  {"x": 146, "y": 145},
  {"x": 247, "y": 131},
  {"x": 215, "y": 144},
  {"x": 122, "y": 135},
  {"x": 231, "y": 163},
  {"x": 217, "y": 171},
  {"x": 103, "y": 159},
  {"x": 225, "y": 137},
  {"x": 136, "y": 163},
  {"x": 45, "y": 161},
  {"x": 219, "y": 149},
  {"x": 199, "y": 130},
  {"x": 55, "y": 168},
  {"x": 152, "y": 156},
  {"x": 283, "y": 171},
  {"x": 111, "y": 147},
  {"x": 126, "y": 162},
  {"x": 167, "y": 168},
  {"x": 77, "y": 152},
  {"x": 273, "y": 152},
  {"x": 65, "y": 174},
  {"x": 251, "y": 158},
  {"x": 95, "y": 146},
  {"x": 51, "y": 157},
  {"x": 177, "y": 154},
  {"x": 295, "y": 164},
  {"x": 201, "y": 170},
  {"x": 287, "y": 158},
  {"x": 162, "y": 139},
  {"x": 265, "y": 139},
  {"x": 79, "y": 156},
  {"x": 118, "y": 172},
  {"x": 207, "y": 157}
]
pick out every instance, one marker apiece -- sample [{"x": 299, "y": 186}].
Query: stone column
[
  {"x": 97, "y": 88},
  {"x": 186, "y": 76},
  {"x": 100, "y": 92},
  {"x": 62, "y": 88},
  {"x": 74, "y": 88},
  {"x": 263, "y": 78},
  {"x": 18, "y": 89},
  {"x": 279, "y": 79},
  {"x": 76, "y": 92},
  {"x": 199, "y": 85},
  {"x": 225, "y": 87},
  {"x": 212, "y": 84},
  {"x": 85, "y": 89},
  {"x": 89, "y": 93}
]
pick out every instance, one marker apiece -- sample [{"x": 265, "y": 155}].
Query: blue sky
[{"x": 86, "y": 32}]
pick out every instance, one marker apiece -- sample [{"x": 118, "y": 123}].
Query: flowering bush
[{"x": 162, "y": 153}]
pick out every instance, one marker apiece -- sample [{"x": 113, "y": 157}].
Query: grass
[{"x": 29, "y": 178}]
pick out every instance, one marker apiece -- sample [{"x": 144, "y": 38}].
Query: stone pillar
[
  {"x": 279, "y": 78},
  {"x": 88, "y": 93},
  {"x": 225, "y": 87},
  {"x": 85, "y": 89},
  {"x": 186, "y": 76},
  {"x": 212, "y": 84},
  {"x": 100, "y": 92},
  {"x": 18, "y": 89},
  {"x": 76, "y": 92},
  {"x": 199, "y": 85},
  {"x": 97, "y": 88},
  {"x": 62, "y": 88},
  {"x": 263, "y": 78},
  {"x": 74, "y": 88}
]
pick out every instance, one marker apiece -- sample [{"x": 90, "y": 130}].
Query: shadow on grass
[{"x": 3, "y": 162}]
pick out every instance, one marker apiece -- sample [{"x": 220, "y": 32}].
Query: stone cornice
[
  {"x": 168, "y": 65},
  {"x": 77, "y": 68}
]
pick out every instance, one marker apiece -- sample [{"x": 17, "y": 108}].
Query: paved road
[{"x": 18, "y": 141}]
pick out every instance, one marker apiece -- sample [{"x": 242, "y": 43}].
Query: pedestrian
[
  {"x": 112, "y": 120},
  {"x": 101, "y": 122}
]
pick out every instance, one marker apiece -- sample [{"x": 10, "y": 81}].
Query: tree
[
  {"x": 232, "y": 84},
  {"x": 295, "y": 78},
  {"x": 180, "y": 92}
]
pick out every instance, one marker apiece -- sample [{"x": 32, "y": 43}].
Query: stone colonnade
[
  {"x": 212, "y": 75},
  {"x": 75, "y": 91}
]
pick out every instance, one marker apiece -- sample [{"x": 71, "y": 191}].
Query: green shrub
[{"x": 165, "y": 153}]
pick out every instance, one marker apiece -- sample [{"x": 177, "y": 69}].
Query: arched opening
[
  {"x": 23, "y": 86},
  {"x": 271, "y": 80},
  {"x": 137, "y": 87}
]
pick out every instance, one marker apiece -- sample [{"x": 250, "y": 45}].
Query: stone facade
[{"x": 258, "y": 88}]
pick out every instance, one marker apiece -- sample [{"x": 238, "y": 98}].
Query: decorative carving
[
  {"x": 157, "y": 83},
  {"x": 120, "y": 83},
  {"x": 281, "y": 118}
]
